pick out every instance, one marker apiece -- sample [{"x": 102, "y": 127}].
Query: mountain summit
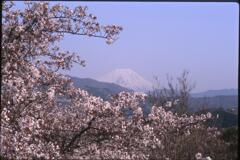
[{"x": 127, "y": 78}]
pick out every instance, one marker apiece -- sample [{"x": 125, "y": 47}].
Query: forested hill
[
  {"x": 226, "y": 102},
  {"x": 99, "y": 89},
  {"x": 213, "y": 93}
]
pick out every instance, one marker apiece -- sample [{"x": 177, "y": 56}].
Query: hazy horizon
[
  {"x": 193, "y": 92},
  {"x": 160, "y": 38}
]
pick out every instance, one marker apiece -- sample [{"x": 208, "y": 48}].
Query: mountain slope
[
  {"x": 96, "y": 88},
  {"x": 127, "y": 78},
  {"x": 212, "y": 93},
  {"x": 225, "y": 102}
]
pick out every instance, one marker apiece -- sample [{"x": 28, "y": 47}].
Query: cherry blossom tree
[
  {"x": 35, "y": 124},
  {"x": 30, "y": 61}
]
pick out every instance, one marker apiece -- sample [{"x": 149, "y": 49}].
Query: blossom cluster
[{"x": 44, "y": 116}]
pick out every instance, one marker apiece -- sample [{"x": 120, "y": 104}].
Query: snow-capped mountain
[{"x": 127, "y": 78}]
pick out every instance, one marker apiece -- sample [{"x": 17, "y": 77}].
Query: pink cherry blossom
[{"x": 44, "y": 116}]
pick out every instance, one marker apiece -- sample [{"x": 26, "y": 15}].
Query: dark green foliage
[
  {"x": 228, "y": 125},
  {"x": 2, "y": 158},
  {"x": 230, "y": 136},
  {"x": 225, "y": 119}
]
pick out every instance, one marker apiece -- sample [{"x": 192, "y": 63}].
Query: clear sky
[{"x": 160, "y": 38}]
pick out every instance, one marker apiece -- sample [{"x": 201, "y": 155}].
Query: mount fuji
[{"x": 128, "y": 79}]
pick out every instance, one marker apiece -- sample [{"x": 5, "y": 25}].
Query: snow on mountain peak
[{"x": 127, "y": 78}]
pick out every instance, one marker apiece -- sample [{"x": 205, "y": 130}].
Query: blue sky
[{"x": 160, "y": 38}]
